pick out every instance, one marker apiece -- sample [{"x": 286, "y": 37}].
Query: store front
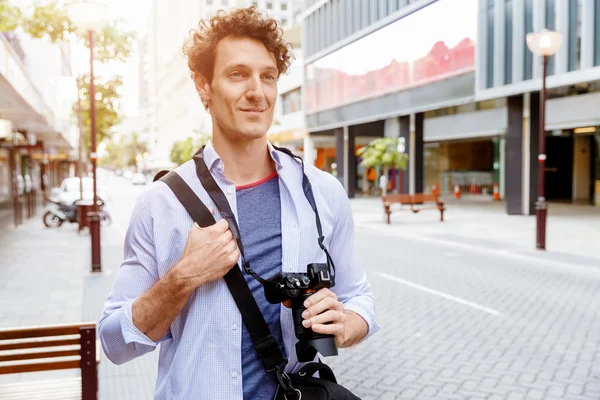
[
  {"x": 572, "y": 165},
  {"x": 473, "y": 165}
]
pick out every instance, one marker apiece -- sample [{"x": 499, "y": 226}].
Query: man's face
[{"x": 242, "y": 94}]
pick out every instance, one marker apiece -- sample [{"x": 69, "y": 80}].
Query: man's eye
[
  {"x": 270, "y": 77},
  {"x": 235, "y": 74}
]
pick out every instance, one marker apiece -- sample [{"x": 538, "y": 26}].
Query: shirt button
[
  {"x": 234, "y": 327},
  {"x": 233, "y": 374},
  {"x": 229, "y": 189}
]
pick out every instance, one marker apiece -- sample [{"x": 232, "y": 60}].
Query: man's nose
[{"x": 254, "y": 89}]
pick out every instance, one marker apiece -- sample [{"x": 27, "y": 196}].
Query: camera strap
[
  {"x": 265, "y": 344},
  {"x": 218, "y": 197}
]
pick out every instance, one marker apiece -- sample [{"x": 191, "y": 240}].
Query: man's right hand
[{"x": 208, "y": 255}]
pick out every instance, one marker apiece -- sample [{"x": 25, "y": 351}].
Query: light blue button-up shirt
[{"x": 200, "y": 357}]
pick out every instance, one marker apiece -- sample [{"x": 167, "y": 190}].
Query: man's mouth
[{"x": 252, "y": 110}]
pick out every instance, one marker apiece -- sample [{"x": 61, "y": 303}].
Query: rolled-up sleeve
[
  {"x": 121, "y": 340},
  {"x": 351, "y": 284}
]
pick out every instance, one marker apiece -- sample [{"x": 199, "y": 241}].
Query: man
[{"x": 170, "y": 290}]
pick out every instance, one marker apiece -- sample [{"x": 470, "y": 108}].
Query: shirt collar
[{"x": 212, "y": 159}]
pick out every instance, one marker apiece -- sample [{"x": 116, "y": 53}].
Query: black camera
[{"x": 298, "y": 287}]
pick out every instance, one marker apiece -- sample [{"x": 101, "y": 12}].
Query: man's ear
[{"x": 202, "y": 87}]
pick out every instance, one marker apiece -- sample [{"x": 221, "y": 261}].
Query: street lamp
[
  {"x": 91, "y": 16},
  {"x": 544, "y": 44}
]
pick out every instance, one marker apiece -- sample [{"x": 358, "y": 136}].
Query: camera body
[{"x": 298, "y": 287}]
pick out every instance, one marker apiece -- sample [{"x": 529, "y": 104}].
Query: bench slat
[
  {"x": 38, "y": 355},
  {"x": 61, "y": 389},
  {"x": 35, "y": 367},
  {"x": 43, "y": 331},
  {"x": 34, "y": 344}
]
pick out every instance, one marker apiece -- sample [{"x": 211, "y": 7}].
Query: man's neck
[{"x": 245, "y": 162}]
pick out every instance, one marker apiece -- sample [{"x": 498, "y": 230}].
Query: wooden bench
[
  {"x": 417, "y": 202},
  {"x": 50, "y": 348}
]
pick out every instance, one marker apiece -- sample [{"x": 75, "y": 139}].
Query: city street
[{"x": 455, "y": 323}]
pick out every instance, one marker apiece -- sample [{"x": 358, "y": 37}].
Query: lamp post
[
  {"x": 91, "y": 16},
  {"x": 544, "y": 44}
]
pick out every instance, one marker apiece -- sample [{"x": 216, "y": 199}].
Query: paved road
[
  {"x": 456, "y": 323},
  {"x": 459, "y": 325}
]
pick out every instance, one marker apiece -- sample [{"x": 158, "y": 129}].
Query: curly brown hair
[{"x": 246, "y": 22}]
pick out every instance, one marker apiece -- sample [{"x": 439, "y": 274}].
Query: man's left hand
[{"x": 325, "y": 314}]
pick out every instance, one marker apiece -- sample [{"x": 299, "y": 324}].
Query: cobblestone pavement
[
  {"x": 456, "y": 322},
  {"x": 456, "y": 325}
]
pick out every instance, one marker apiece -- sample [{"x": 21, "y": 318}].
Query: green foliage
[
  {"x": 183, "y": 150},
  {"x": 10, "y": 17},
  {"x": 383, "y": 152},
  {"x": 124, "y": 151},
  {"x": 51, "y": 20},
  {"x": 107, "y": 115}
]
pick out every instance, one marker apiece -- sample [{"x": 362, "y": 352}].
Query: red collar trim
[{"x": 250, "y": 185}]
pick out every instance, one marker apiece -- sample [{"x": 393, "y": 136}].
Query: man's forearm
[
  {"x": 355, "y": 329},
  {"x": 153, "y": 312}
]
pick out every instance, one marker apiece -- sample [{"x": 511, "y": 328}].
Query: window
[
  {"x": 508, "y": 43},
  {"x": 528, "y": 29},
  {"x": 551, "y": 26},
  {"x": 574, "y": 37},
  {"x": 284, "y": 21},
  {"x": 209, "y": 2},
  {"x": 269, "y": 5},
  {"x": 284, "y": 6},
  {"x": 291, "y": 101},
  {"x": 597, "y": 41},
  {"x": 255, "y": 3},
  {"x": 490, "y": 44},
  {"x": 225, "y": 3}
]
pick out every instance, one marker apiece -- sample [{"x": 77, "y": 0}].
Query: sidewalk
[
  {"x": 572, "y": 230},
  {"x": 45, "y": 279}
]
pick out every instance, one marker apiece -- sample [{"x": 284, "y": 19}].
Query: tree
[
  {"x": 135, "y": 147},
  {"x": 383, "y": 152},
  {"x": 184, "y": 150},
  {"x": 107, "y": 115},
  {"x": 50, "y": 20},
  {"x": 123, "y": 151}
]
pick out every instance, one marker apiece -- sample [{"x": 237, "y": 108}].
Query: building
[
  {"x": 36, "y": 137},
  {"x": 170, "y": 106},
  {"x": 289, "y": 127},
  {"x": 462, "y": 90}
]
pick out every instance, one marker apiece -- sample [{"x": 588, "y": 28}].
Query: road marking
[
  {"x": 440, "y": 294},
  {"x": 594, "y": 270}
]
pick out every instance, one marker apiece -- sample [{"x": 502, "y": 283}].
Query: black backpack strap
[
  {"x": 160, "y": 174},
  {"x": 265, "y": 344},
  {"x": 324, "y": 371}
]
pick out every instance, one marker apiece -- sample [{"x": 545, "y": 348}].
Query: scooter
[{"x": 57, "y": 213}]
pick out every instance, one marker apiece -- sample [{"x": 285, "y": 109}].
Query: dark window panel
[{"x": 508, "y": 37}]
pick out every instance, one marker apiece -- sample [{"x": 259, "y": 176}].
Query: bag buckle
[
  {"x": 290, "y": 392},
  {"x": 269, "y": 352}
]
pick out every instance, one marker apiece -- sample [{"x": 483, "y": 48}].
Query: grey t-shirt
[{"x": 259, "y": 219}]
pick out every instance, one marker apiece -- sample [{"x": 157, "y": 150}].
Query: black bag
[{"x": 303, "y": 384}]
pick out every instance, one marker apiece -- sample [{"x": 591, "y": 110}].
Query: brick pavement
[
  {"x": 44, "y": 279},
  {"x": 545, "y": 343}
]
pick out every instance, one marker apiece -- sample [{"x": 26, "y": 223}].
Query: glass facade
[
  {"x": 528, "y": 73},
  {"x": 551, "y": 26},
  {"x": 508, "y": 37},
  {"x": 574, "y": 36},
  {"x": 597, "y": 33},
  {"x": 370, "y": 67},
  {"x": 490, "y": 44}
]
